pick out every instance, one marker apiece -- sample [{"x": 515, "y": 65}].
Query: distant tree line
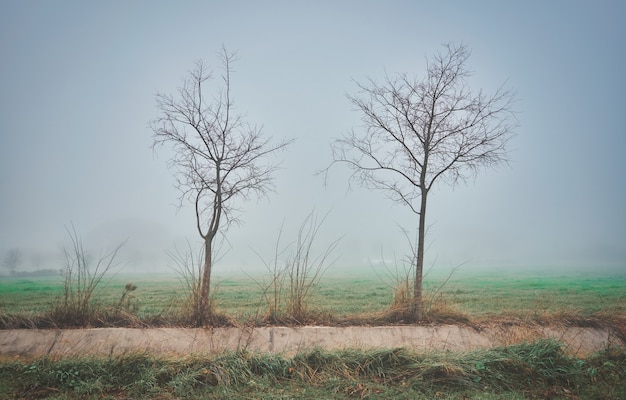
[{"x": 13, "y": 265}]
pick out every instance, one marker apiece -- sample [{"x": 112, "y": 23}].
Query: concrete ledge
[{"x": 286, "y": 340}]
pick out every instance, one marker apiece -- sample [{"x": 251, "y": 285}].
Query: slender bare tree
[
  {"x": 12, "y": 260},
  {"x": 218, "y": 158},
  {"x": 419, "y": 131}
]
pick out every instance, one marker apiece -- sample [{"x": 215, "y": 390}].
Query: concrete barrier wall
[{"x": 287, "y": 340}]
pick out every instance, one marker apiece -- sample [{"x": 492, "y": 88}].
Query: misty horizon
[{"x": 78, "y": 93}]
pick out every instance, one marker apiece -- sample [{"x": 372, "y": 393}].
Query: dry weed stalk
[
  {"x": 81, "y": 280},
  {"x": 293, "y": 278}
]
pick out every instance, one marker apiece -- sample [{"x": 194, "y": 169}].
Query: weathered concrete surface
[{"x": 288, "y": 340}]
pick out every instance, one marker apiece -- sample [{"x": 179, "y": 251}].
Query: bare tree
[
  {"x": 420, "y": 131},
  {"x": 12, "y": 260},
  {"x": 217, "y": 156}
]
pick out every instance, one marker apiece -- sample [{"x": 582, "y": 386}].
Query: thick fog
[{"x": 78, "y": 91}]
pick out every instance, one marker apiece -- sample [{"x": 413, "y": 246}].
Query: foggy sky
[{"x": 78, "y": 81}]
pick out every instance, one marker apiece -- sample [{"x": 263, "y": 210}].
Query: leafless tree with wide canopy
[{"x": 419, "y": 131}]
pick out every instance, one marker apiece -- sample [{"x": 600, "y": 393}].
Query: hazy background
[{"x": 77, "y": 86}]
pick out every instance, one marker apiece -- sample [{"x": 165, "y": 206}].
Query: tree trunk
[
  {"x": 418, "y": 303},
  {"x": 203, "y": 311}
]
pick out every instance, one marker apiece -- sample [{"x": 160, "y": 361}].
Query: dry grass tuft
[
  {"x": 509, "y": 333},
  {"x": 307, "y": 316},
  {"x": 602, "y": 320},
  {"x": 437, "y": 310}
]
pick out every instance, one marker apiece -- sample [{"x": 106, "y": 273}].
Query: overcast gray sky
[{"x": 77, "y": 86}]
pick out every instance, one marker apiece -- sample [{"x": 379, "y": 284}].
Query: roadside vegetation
[
  {"x": 531, "y": 370},
  {"x": 135, "y": 301},
  {"x": 534, "y": 369}
]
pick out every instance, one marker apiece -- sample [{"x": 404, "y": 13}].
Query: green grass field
[{"x": 478, "y": 297}]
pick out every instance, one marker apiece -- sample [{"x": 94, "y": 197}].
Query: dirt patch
[{"x": 25, "y": 344}]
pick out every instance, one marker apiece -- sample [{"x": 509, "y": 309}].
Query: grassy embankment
[{"x": 532, "y": 370}]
